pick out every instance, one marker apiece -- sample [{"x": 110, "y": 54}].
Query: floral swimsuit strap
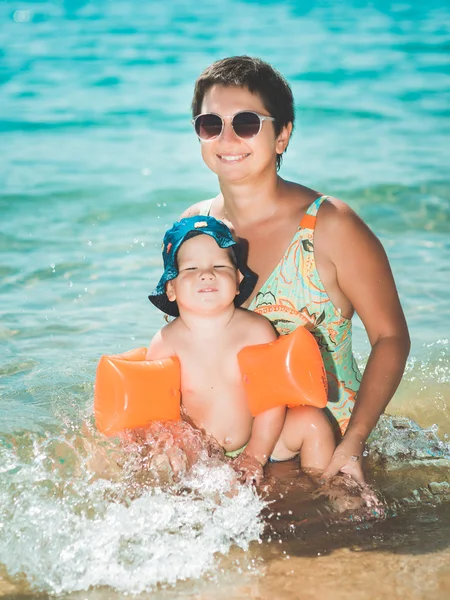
[{"x": 309, "y": 219}]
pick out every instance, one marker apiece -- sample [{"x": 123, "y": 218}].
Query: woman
[{"x": 316, "y": 260}]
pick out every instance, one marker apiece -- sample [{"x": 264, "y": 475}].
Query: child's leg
[{"x": 307, "y": 432}]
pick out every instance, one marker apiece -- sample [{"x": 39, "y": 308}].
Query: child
[{"x": 204, "y": 283}]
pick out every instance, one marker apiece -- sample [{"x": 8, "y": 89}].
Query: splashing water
[
  {"x": 424, "y": 394},
  {"x": 67, "y": 527}
]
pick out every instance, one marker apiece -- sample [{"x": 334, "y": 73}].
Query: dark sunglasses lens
[
  {"x": 208, "y": 126},
  {"x": 246, "y": 124}
]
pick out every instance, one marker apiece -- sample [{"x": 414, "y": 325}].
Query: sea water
[{"x": 98, "y": 158}]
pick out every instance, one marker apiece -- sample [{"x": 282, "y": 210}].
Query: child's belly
[{"x": 223, "y": 413}]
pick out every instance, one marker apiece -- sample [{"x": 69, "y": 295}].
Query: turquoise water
[{"x": 98, "y": 158}]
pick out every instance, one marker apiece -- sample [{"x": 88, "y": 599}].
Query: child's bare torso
[{"x": 212, "y": 391}]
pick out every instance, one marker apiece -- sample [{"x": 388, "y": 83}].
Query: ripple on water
[
  {"x": 396, "y": 208},
  {"x": 424, "y": 393},
  {"x": 62, "y": 269}
]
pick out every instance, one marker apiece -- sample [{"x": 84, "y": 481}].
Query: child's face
[{"x": 208, "y": 280}]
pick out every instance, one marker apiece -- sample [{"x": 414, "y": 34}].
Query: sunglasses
[{"x": 246, "y": 124}]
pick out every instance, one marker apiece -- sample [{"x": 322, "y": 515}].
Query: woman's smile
[{"x": 232, "y": 158}]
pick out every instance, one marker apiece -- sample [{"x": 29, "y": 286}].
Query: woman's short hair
[{"x": 259, "y": 78}]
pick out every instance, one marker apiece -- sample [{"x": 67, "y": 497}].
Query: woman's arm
[{"x": 364, "y": 276}]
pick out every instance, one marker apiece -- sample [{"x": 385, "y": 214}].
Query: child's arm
[
  {"x": 266, "y": 430},
  {"x": 160, "y": 347},
  {"x": 267, "y": 425}
]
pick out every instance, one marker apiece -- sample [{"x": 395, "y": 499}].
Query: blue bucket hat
[{"x": 180, "y": 232}]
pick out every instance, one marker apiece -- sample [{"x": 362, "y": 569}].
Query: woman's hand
[{"x": 347, "y": 458}]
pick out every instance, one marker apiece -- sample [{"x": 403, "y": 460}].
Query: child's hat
[{"x": 179, "y": 233}]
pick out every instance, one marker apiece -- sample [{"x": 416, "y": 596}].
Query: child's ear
[{"x": 170, "y": 291}]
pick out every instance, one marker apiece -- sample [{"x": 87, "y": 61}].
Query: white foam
[{"x": 68, "y": 535}]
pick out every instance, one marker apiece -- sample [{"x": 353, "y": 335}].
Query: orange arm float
[
  {"x": 287, "y": 371},
  {"x": 131, "y": 391}
]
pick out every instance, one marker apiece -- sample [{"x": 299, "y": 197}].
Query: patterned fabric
[
  {"x": 294, "y": 296},
  {"x": 235, "y": 453}
]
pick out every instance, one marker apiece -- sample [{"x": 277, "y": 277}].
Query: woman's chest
[{"x": 266, "y": 249}]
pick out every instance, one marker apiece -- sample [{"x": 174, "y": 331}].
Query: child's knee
[
  {"x": 309, "y": 415},
  {"x": 304, "y": 425}
]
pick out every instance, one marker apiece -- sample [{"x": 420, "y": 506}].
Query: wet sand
[
  {"x": 406, "y": 558},
  {"x": 309, "y": 552}
]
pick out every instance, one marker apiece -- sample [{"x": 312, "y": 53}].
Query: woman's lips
[{"x": 232, "y": 158}]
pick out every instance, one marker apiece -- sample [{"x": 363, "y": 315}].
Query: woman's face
[{"x": 232, "y": 158}]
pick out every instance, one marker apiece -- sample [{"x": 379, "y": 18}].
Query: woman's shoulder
[
  {"x": 335, "y": 213},
  {"x": 339, "y": 230},
  {"x": 315, "y": 202},
  {"x": 199, "y": 208}
]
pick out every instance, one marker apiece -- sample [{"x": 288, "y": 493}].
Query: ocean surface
[{"x": 98, "y": 157}]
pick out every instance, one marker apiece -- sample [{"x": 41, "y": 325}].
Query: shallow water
[
  {"x": 99, "y": 159},
  {"x": 80, "y": 512}
]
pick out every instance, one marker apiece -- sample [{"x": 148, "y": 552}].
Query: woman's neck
[{"x": 247, "y": 202}]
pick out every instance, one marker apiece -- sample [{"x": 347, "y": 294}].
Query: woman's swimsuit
[{"x": 294, "y": 296}]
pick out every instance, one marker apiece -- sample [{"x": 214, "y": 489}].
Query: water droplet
[{"x": 21, "y": 16}]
